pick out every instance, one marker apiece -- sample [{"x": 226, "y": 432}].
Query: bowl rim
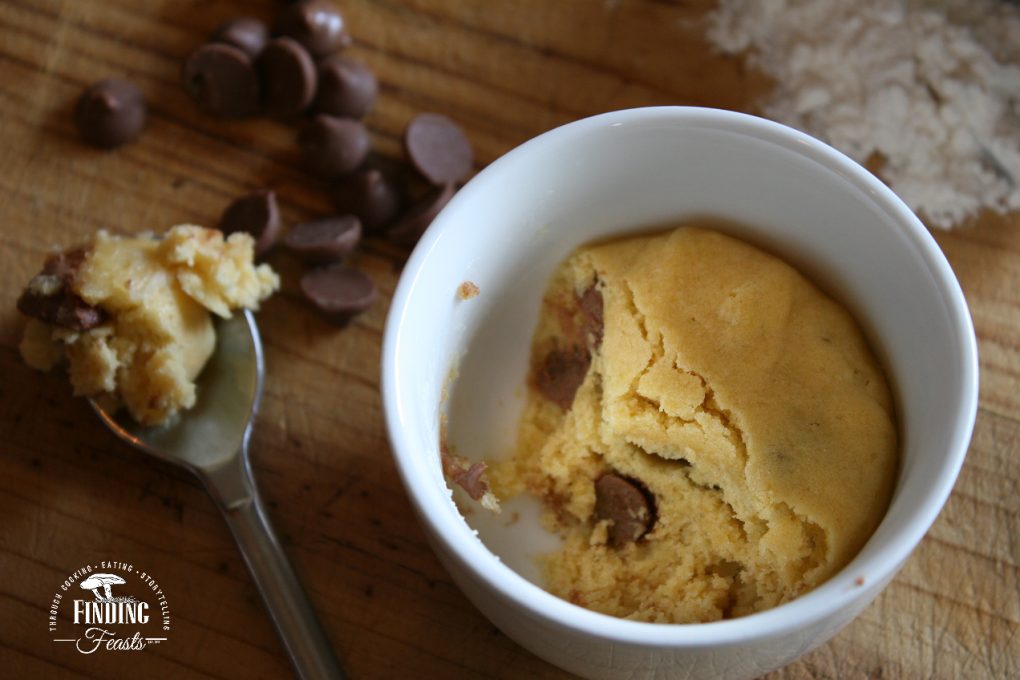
[{"x": 447, "y": 527}]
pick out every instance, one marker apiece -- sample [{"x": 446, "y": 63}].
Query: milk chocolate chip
[
  {"x": 561, "y": 373},
  {"x": 622, "y": 501},
  {"x": 245, "y": 33},
  {"x": 339, "y": 291},
  {"x": 222, "y": 81},
  {"x": 438, "y": 148},
  {"x": 346, "y": 88},
  {"x": 418, "y": 217},
  {"x": 50, "y": 298},
  {"x": 372, "y": 194},
  {"x": 256, "y": 214},
  {"x": 63, "y": 309},
  {"x": 316, "y": 24},
  {"x": 333, "y": 146},
  {"x": 288, "y": 77},
  {"x": 110, "y": 113},
  {"x": 326, "y": 240}
]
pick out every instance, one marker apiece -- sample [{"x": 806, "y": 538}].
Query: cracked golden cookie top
[
  {"x": 707, "y": 334},
  {"x": 704, "y": 424}
]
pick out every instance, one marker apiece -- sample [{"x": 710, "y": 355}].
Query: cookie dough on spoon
[{"x": 131, "y": 315}]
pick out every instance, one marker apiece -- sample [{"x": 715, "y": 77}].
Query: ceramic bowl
[{"x": 624, "y": 172}]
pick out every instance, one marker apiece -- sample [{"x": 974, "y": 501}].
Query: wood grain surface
[{"x": 70, "y": 494}]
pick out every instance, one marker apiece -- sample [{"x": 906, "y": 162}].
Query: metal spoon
[{"x": 211, "y": 440}]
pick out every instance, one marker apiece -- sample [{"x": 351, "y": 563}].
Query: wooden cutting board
[{"x": 71, "y": 495}]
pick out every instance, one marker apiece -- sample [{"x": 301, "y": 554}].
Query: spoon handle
[{"x": 288, "y": 605}]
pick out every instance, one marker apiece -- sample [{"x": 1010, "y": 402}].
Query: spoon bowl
[{"x": 211, "y": 440}]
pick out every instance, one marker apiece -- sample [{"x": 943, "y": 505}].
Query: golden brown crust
[{"x": 744, "y": 400}]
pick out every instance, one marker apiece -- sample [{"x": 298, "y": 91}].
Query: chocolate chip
[
  {"x": 372, "y": 194},
  {"x": 413, "y": 223},
  {"x": 590, "y": 303},
  {"x": 326, "y": 240},
  {"x": 316, "y": 24},
  {"x": 333, "y": 146},
  {"x": 346, "y": 88},
  {"x": 65, "y": 310},
  {"x": 257, "y": 214},
  {"x": 245, "y": 33},
  {"x": 438, "y": 148},
  {"x": 622, "y": 501},
  {"x": 469, "y": 476},
  {"x": 222, "y": 81},
  {"x": 339, "y": 291},
  {"x": 561, "y": 373},
  {"x": 472, "y": 479},
  {"x": 287, "y": 76},
  {"x": 110, "y": 113},
  {"x": 65, "y": 266},
  {"x": 50, "y": 295}
]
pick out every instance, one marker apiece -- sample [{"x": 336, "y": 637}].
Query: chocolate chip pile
[{"x": 294, "y": 72}]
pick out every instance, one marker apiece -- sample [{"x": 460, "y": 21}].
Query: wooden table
[{"x": 70, "y": 494}]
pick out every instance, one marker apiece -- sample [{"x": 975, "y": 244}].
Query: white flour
[{"x": 929, "y": 88}]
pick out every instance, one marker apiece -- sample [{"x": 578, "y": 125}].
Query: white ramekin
[{"x": 622, "y": 172}]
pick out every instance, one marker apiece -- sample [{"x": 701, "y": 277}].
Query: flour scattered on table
[{"x": 927, "y": 89}]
